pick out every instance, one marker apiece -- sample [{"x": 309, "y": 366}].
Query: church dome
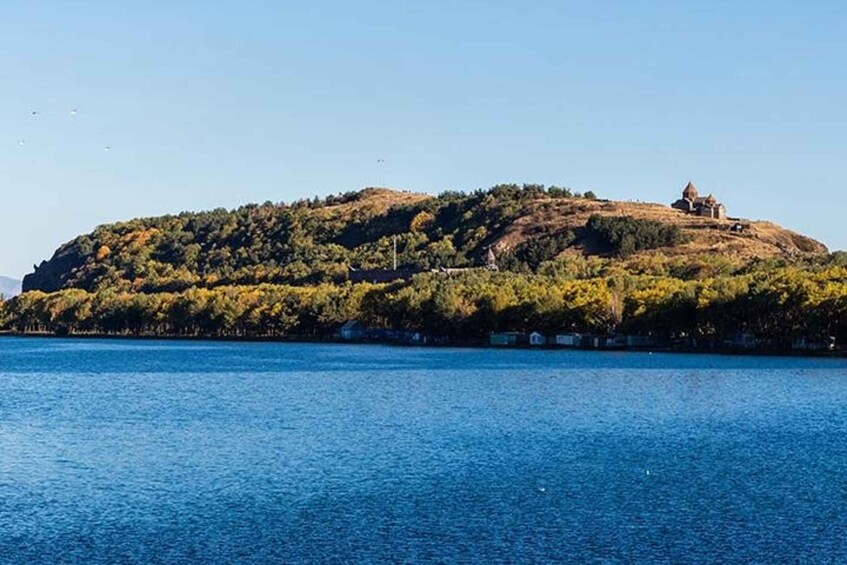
[{"x": 690, "y": 192}]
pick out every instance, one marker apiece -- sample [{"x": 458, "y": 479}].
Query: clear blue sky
[{"x": 215, "y": 104}]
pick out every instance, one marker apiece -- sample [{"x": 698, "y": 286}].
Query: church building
[{"x": 692, "y": 203}]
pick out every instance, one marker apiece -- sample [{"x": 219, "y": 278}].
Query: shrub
[{"x": 627, "y": 235}]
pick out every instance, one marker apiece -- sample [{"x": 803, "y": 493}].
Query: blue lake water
[{"x": 183, "y": 452}]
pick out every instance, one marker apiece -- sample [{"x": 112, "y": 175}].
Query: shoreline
[{"x": 471, "y": 344}]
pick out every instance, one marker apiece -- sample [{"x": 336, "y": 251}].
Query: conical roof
[{"x": 690, "y": 191}]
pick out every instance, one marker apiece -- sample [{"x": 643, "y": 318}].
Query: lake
[{"x": 183, "y": 452}]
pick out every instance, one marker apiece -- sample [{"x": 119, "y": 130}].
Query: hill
[
  {"x": 315, "y": 241},
  {"x": 564, "y": 263},
  {"x": 9, "y": 287}
]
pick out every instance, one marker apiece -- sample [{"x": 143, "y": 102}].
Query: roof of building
[{"x": 690, "y": 191}]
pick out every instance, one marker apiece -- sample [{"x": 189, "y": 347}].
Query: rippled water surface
[{"x": 178, "y": 452}]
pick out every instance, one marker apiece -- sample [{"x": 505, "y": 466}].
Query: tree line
[{"x": 703, "y": 299}]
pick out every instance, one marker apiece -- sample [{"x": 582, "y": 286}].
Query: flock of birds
[
  {"x": 72, "y": 112},
  {"x": 75, "y": 111}
]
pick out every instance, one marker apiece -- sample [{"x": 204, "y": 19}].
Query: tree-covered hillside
[
  {"x": 312, "y": 242},
  {"x": 567, "y": 263},
  {"x": 307, "y": 242}
]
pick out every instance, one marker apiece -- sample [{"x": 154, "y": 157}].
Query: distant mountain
[{"x": 9, "y": 287}]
